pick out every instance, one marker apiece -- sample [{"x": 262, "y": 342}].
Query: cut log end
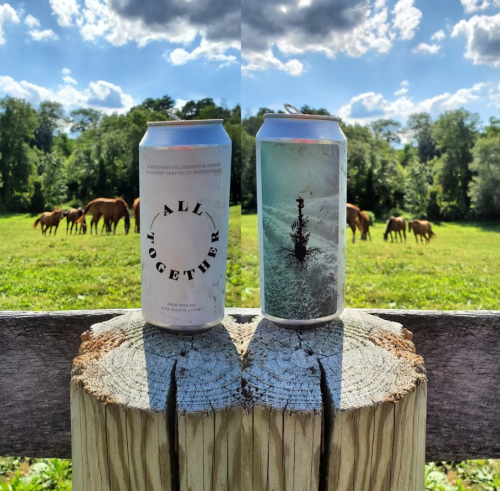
[
  {"x": 249, "y": 407},
  {"x": 348, "y": 398}
]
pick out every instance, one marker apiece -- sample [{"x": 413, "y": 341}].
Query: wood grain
[
  {"x": 330, "y": 380},
  {"x": 127, "y": 373},
  {"x": 460, "y": 351}
]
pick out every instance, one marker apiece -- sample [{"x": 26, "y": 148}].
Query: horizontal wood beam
[{"x": 461, "y": 351}]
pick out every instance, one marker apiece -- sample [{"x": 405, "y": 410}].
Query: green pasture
[
  {"x": 459, "y": 269},
  {"x": 82, "y": 271}
]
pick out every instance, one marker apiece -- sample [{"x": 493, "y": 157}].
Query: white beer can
[
  {"x": 301, "y": 193},
  {"x": 184, "y": 174}
]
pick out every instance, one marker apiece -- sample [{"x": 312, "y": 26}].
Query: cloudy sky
[
  {"x": 112, "y": 54},
  {"x": 361, "y": 59},
  {"x": 367, "y": 59}
]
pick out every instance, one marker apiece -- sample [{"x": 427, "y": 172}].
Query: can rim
[
  {"x": 185, "y": 122},
  {"x": 301, "y": 116}
]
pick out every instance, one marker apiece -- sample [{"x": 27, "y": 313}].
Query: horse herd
[
  {"x": 111, "y": 210},
  {"x": 360, "y": 219}
]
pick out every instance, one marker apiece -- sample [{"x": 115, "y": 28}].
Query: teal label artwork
[{"x": 300, "y": 222}]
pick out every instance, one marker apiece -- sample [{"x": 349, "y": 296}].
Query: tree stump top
[
  {"x": 130, "y": 362},
  {"x": 362, "y": 361}
]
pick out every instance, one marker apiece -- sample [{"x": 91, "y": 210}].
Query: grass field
[
  {"x": 460, "y": 269},
  {"x": 83, "y": 271}
]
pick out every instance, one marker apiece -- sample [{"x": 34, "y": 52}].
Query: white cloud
[
  {"x": 45, "y": 35},
  {"x": 101, "y": 95},
  {"x": 266, "y": 61},
  {"x": 31, "y": 21},
  {"x": 483, "y": 38},
  {"x": 96, "y": 21},
  {"x": 180, "y": 103},
  {"x": 406, "y": 18},
  {"x": 370, "y": 106},
  {"x": 7, "y": 15},
  {"x": 404, "y": 88},
  {"x": 475, "y": 5},
  {"x": 66, "y": 11},
  {"x": 431, "y": 49},
  {"x": 438, "y": 36},
  {"x": 212, "y": 51},
  {"x": 67, "y": 78},
  {"x": 360, "y": 27}
]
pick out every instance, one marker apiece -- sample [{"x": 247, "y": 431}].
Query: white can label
[{"x": 184, "y": 226}]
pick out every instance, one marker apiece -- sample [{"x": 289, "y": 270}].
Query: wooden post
[
  {"x": 250, "y": 407},
  {"x": 339, "y": 408},
  {"x": 153, "y": 411}
]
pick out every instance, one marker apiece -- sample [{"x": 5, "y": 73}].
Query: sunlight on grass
[
  {"x": 460, "y": 269},
  {"x": 83, "y": 271}
]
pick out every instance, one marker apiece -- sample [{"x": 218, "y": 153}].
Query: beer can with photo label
[
  {"x": 185, "y": 169},
  {"x": 301, "y": 192}
]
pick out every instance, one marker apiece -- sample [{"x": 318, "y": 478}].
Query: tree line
[
  {"x": 49, "y": 158},
  {"x": 446, "y": 168},
  {"x": 442, "y": 169}
]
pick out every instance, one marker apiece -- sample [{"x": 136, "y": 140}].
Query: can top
[
  {"x": 301, "y": 116},
  {"x": 185, "y": 122}
]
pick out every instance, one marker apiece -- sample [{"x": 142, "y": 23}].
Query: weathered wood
[
  {"x": 460, "y": 349},
  {"x": 329, "y": 382},
  {"x": 129, "y": 373}
]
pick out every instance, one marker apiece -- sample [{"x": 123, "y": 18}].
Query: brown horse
[
  {"x": 364, "y": 222},
  {"x": 396, "y": 225},
  {"x": 48, "y": 220},
  {"x": 353, "y": 219},
  {"x": 137, "y": 215},
  {"x": 422, "y": 228},
  {"x": 72, "y": 217},
  {"x": 112, "y": 210}
]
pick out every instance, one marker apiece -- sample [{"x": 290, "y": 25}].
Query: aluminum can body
[
  {"x": 301, "y": 194},
  {"x": 184, "y": 178}
]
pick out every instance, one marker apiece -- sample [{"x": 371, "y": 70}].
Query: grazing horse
[
  {"x": 137, "y": 215},
  {"x": 72, "y": 217},
  {"x": 396, "y": 225},
  {"x": 112, "y": 210},
  {"x": 422, "y": 228},
  {"x": 48, "y": 220},
  {"x": 353, "y": 219},
  {"x": 364, "y": 222}
]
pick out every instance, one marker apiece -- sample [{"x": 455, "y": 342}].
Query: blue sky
[
  {"x": 361, "y": 59},
  {"x": 399, "y": 57},
  {"x": 86, "y": 53}
]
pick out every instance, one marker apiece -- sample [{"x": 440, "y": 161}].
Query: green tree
[
  {"x": 417, "y": 188},
  {"x": 18, "y": 122},
  {"x": 162, "y": 105},
  {"x": 455, "y": 133},
  {"x": 484, "y": 189},
  {"x": 191, "y": 110},
  {"x": 54, "y": 185},
  {"x": 84, "y": 119},
  {"x": 50, "y": 118},
  {"x": 309, "y": 110},
  {"x": 387, "y": 130},
  {"x": 248, "y": 173},
  {"x": 420, "y": 127}
]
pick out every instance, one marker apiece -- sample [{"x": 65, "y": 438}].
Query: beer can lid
[
  {"x": 185, "y": 122},
  {"x": 301, "y": 116}
]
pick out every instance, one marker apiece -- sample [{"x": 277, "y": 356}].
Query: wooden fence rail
[{"x": 461, "y": 351}]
